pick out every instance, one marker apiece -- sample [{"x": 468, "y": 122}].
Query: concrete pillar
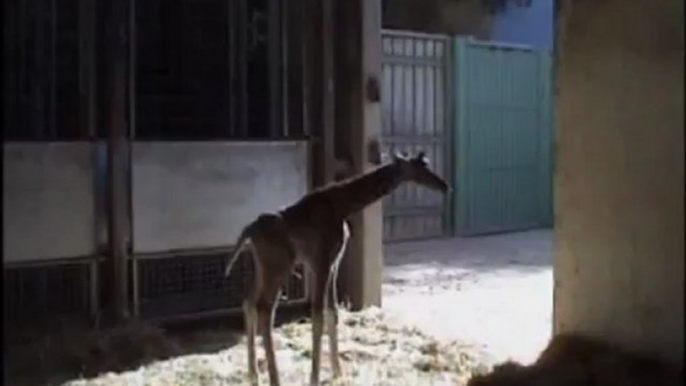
[
  {"x": 619, "y": 183},
  {"x": 358, "y": 122}
]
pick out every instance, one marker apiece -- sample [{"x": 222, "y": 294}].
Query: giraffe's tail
[{"x": 243, "y": 240}]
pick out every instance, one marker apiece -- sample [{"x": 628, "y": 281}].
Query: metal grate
[
  {"x": 416, "y": 116},
  {"x": 184, "y": 285},
  {"x": 46, "y": 293}
]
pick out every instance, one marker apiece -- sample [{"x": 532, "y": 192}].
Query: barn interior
[{"x": 124, "y": 115}]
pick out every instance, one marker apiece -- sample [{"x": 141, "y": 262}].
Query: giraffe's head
[{"x": 416, "y": 169}]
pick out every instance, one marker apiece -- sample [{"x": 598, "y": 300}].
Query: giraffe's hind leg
[
  {"x": 274, "y": 259},
  {"x": 250, "y": 317},
  {"x": 332, "y": 323},
  {"x": 259, "y": 318},
  {"x": 266, "y": 306}
]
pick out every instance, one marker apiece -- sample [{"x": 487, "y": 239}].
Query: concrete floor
[{"x": 495, "y": 291}]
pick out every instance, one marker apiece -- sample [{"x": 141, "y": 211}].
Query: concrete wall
[
  {"x": 202, "y": 194},
  {"x": 48, "y": 201},
  {"x": 619, "y": 211}
]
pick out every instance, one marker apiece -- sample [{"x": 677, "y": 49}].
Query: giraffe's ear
[
  {"x": 399, "y": 156},
  {"x": 421, "y": 158}
]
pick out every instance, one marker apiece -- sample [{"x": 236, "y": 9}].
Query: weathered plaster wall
[{"x": 619, "y": 184}]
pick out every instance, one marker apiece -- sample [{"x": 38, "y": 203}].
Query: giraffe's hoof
[
  {"x": 262, "y": 365},
  {"x": 336, "y": 369},
  {"x": 252, "y": 378}
]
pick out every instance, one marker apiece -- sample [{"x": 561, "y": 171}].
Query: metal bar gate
[{"x": 416, "y": 117}]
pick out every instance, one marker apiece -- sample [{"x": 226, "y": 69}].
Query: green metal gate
[
  {"x": 415, "y": 117},
  {"x": 503, "y": 137}
]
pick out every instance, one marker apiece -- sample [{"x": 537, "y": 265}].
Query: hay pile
[
  {"x": 76, "y": 350},
  {"x": 376, "y": 349}
]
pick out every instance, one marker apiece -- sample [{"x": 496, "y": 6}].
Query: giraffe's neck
[{"x": 356, "y": 193}]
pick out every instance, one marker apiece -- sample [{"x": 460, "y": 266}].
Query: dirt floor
[{"x": 494, "y": 291}]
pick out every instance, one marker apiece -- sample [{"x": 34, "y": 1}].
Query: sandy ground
[{"x": 494, "y": 291}]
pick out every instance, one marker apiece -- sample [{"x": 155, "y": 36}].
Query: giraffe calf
[{"x": 314, "y": 231}]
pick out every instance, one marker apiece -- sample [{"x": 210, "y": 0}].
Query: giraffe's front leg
[
  {"x": 250, "y": 314},
  {"x": 265, "y": 310},
  {"x": 319, "y": 291}
]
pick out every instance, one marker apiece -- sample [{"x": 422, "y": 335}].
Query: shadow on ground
[{"x": 70, "y": 349}]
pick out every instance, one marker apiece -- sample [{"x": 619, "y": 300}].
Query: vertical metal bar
[
  {"x": 447, "y": 66},
  {"x": 10, "y": 74},
  {"x": 87, "y": 80},
  {"x": 25, "y": 92},
  {"x": 135, "y": 283},
  {"x": 232, "y": 54},
  {"x": 391, "y": 99},
  {"x": 37, "y": 72},
  {"x": 461, "y": 210},
  {"x": 130, "y": 263},
  {"x": 132, "y": 68},
  {"x": 307, "y": 77},
  {"x": 274, "y": 64},
  {"x": 306, "y": 65},
  {"x": 243, "y": 57},
  {"x": 86, "y": 31},
  {"x": 327, "y": 90},
  {"x": 118, "y": 29},
  {"x": 438, "y": 123},
  {"x": 21, "y": 65},
  {"x": 52, "y": 109},
  {"x": 413, "y": 192},
  {"x": 320, "y": 112},
  {"x": 295, "y": 67},
  {"x": 43, "y": 291},
  {"x": 285, "y": 68},
  {"x": 94, "y": 301}
]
